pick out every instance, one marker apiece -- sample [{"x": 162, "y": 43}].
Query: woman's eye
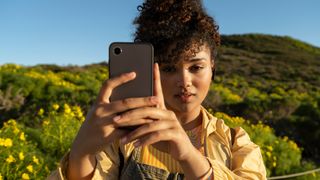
[
  {"x": 196, "y": 68},
  {"x": 168, "y": 69}
]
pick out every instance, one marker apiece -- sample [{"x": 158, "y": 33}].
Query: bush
[
  {"x": 281, "y": 155},
  {"x": 19, "y": 157}
]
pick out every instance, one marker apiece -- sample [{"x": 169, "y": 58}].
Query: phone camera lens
[{"x": 117, "y": 50}]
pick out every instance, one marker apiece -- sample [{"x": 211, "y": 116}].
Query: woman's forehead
[
  {"x": 184, "y": 50},
  {"x": 189, "y": 46},
  {"x": 199, "y": 58}
]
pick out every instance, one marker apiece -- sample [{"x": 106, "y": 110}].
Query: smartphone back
[{"x": 126, "y": 57}]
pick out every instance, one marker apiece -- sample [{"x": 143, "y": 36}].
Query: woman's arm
[
  {"x": 107, "y": 166},
  {"x": 98, "y": 131},
  {"x": 247, "y": 162},
  {"x": 196, "y": 166}
]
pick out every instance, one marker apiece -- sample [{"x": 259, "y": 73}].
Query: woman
[{"x": 176, "y": 137}]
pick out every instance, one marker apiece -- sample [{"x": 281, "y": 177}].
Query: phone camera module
[{"x": 117, "y": 51}]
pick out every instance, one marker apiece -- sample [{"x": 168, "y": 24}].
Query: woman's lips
[{"x": 185, "y": 97}]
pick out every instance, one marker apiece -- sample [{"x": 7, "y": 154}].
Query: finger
[
  {"x": 105, "y": 113},
  {"x": 133, "y": 123},
  {"x": 132, "y": 103},
  {"x": 157, "y": 86},
  {"x": 151, "y": 138},
  {"x": 147, "y": 129},
  {"x": 143, "y": 113},
  {"x": 110, "y": 84},
  {"x": 116, "y": 107},
  {"x": 116, "y": 134}
]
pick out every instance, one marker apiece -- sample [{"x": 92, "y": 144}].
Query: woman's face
[{"x": 186, "y": 83}]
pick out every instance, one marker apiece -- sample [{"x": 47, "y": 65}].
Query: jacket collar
[{"x": 208, "y": 121}]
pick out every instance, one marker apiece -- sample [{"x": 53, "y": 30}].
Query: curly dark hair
[{"x": 182, "y": 23}]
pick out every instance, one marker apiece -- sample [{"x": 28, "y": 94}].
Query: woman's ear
[
  {"x": 213, "y": 73},
  {"x": 213, "y": 68}
]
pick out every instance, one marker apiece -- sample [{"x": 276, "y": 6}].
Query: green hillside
[
  {"x": 269, "y": 85},
  {"x": 277, "y": 81},
  {"x": 257, "y": 57}
]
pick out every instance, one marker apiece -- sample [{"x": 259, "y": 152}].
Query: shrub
[
  {"x": 19, "y": 157},
  {"x": 281, "y": 155}
]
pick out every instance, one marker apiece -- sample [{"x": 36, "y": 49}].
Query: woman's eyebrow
[{"x": 196, "y": 59}]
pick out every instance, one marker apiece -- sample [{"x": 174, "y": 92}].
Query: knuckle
[
  {"x": 144, "y": 109},
  {"x": 170, "y": 134},
  {"x": 150, "y": 100},
  {"x": 157, "y": 134},
  {"x": 149, "y": 125},
  {"x": 126, "y": 102},
  {"x": 108, "y": 83},
  {"x": 96, "y": 113}
]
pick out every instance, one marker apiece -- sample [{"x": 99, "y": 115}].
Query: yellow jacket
[{"x": 240, "y": 160}]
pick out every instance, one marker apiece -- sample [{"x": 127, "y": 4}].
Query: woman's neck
[{"x": 191, "y": 119}]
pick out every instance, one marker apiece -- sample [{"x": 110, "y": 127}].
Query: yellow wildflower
[
  {"x": 274, "y": 164},
  {"x": 7, "y": 142},
  {"x": 1, "y": 177},
  {"x": 11, "y": 122},
  {"x": 78, "y": 112},
  {"x": 268, "y": 154},
  {"x": 10, "y": 159},
  {"x": 15, "y": 130},
  {"x": 66, "y": 108},
  {"x": 82, "y": 119},
  {"x": 45, "y": 122},
  {"x": 270, "y": 148},
  {"x": 293, "y": 145},
  {"x": 22, "y": 137},
  {"x": 30, "y": 168},
  {"x": 41, "y": 111},
  {"x": 21, "y": 156},
  {"x": 35, "y": 159},
  {"x": 25, "y": 176},
  {"x": 55, "y": 106},
  {"x": 72, "y": 114}
]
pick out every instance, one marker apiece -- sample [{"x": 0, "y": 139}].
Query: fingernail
[
  {"x": 124, "y": 140},
  {"x": 117, "y": 118},
  {"x": 131, "y": 74}
]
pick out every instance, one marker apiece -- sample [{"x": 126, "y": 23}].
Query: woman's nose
[{"x": 184, "y": 79}]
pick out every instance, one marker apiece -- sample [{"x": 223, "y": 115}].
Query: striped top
[{"x": 154, "y": 157}]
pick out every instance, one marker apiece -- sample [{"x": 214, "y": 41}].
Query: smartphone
[{"x": 127, "y": 57}]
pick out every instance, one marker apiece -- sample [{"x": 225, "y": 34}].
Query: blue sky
[{"x": 79, "y": 32}]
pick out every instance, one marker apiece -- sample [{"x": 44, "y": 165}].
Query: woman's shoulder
[
  {"x": 212, "y": 122},
  {"x": 218, "y": 126}
]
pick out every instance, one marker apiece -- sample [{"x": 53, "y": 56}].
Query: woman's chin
[{"x": 181, "y": 107}]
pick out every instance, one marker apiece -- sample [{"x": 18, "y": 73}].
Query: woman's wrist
[
  {"x": 195, "y": 165},
  {"x": 81, "y": 166}
]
